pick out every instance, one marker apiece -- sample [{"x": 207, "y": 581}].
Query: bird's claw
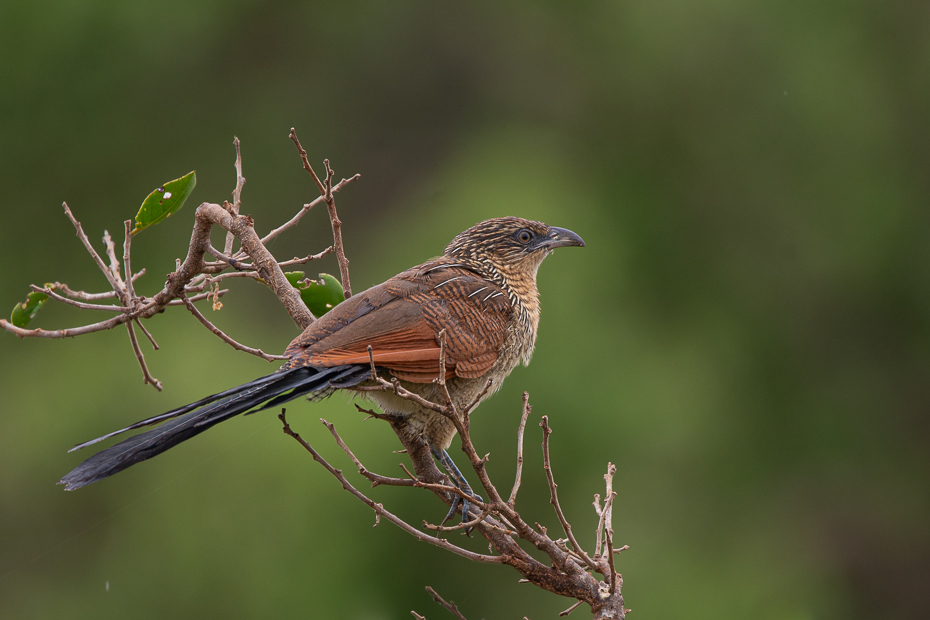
[{"x": 467, "y": 510}]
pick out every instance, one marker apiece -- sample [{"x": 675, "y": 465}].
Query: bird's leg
[{"x": 460, "y": 483}]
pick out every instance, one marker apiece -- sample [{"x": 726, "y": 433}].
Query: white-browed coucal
[{"x": 481, "y": 293}]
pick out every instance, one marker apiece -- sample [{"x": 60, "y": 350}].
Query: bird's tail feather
[{"x": 197, "y": 417}]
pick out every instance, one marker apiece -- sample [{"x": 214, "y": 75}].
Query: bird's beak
[{"x": 561, "y": 238}]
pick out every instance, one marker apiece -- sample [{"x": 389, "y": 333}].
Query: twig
[
  {"x": 114, "y": 267},
  {"x": 229, "y": 260},
  {"x": 216, "y": 330},
  {"x": 608, "y": 523},
  {"x": 375, "y": 479},
  {"x": 527, "y": 408},
  {"x": 65, "y": 333},
  {"x": 554, "y": 496},
  {"x": 237, "y": 196},
  {"x": 570, "y": 609},
  {"x": 201, "y": 296},
  {"x": 146, "y": 375},
  {"x": 294, "y": 220},
  {"x": 89, "y": 247},
  {"x": 306, "y": 259},
  {"x": 81, "y": 295},
  {"x": 147, "y": 334},
  {"x": 484, "y": 392},
  {"x": 439, "y": 542},
  {"x": 127, "y": 268},
  {"x": 326, "y": 191},
  {"x": 450, "y": 606},
  {"x": 48, "y": 290}
]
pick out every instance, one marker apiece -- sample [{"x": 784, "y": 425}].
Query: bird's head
[{"x": 512, "y": 245}]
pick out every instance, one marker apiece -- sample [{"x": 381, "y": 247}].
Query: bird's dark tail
[{"x": 195, "y": 418}]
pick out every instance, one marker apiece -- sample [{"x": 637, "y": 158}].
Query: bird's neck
[{"x": 519, "y": 282}]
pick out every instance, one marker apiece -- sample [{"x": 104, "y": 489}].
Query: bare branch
[
  {"x": 216, "y": 330},
  {"x": 570, "y": 609},
  {"x": 527, "y": 408},
  {"x": 114, "y": 269},
  {"x": 449, "y": 606},
  {"x": 237, "y": 196},
  {"x": 375, "y": 479},
  {"x": 484, "y": 392},
  {"x": 439, "y": 542},
  {"x": 65, "y": 333},
  {"x": 127, "y": 266},
  {"x": 306, "y": 259},
  {"x": 202, "y": 296},
  {"x": 90, "y": 248},
  {"x": 294, "y": 220},
  {"x": 147, "y": 334},
  {"x": 49, "y": 290},
  {"x": 208, "y": 214},
  {"x": 146, "y": 375},
  {"x": 554, "y": 496},
  {"x": 326, "y": 191},
  {"x": 229, "y": 260},
  {"x": 82, "y": 296}
]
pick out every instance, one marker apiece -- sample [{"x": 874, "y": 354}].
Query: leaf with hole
[
  {"x": 23, "y": 312},
  {"x": 164, "y": 201},
  {"x": 321, "y": 295}
]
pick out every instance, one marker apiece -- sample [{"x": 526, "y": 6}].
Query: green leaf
[
  {"x": 164, "y": 201},
  {"x": 321, "y": 295},
  {"x": 23, "y": 312}
]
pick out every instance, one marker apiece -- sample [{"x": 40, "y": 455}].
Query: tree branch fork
[
  {"x": 572, "y": 569},
  {"x": 195, "y": 278}
]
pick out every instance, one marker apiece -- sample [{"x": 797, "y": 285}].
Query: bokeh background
[{"x": 747, "y": 334}]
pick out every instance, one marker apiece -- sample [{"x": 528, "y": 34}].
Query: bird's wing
[{"x": 401, "y": 320}]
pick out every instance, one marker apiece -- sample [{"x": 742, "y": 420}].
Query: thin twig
[
  {"x": 83, "y": 296},
  {"x": 477, "y": 401},
  {"x": 146, "y": 375},
  {"x": 229, "y": 260},
  {"x": 147, "y": 334},
  {"x": 608, "y": 523},
  {"x": 465, "y": 525},
  {"x": 439, "y": 542},
  {"x": 306, "y": 208},
  {"x": 127, "y": 268},
  {"x": 527, "y": 408},
  {"x": 306, "y": 259},
  {"x": 450, "y": 606},
  {"x": 201, "y": 296},
  {"x": 570, "y": 609},
  {"x": 89, "y": 247},
  {"x": 48, "y": 290},
  {"x": 375, "y": 479},
  {"x": 65, "y": 333},
  {"x": 554, "y": 496},
  {"x": 114, "y": 268},
  {"x": 237, "y": 196},
  {"x": 216, "y": 330},
  {"x": 326, "y": 191}
]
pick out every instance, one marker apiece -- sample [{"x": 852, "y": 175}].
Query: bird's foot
[
  {"x": 458, "y": 480},
  {"x": 468, "y": 511}
]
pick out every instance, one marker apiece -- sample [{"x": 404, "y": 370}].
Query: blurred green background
[{"x": 747, "y": 334}]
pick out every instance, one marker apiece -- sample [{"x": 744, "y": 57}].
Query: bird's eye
[{"x": 524, "y": 236}]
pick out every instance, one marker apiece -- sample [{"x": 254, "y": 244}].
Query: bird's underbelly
[{"x": 436, "y": 428}]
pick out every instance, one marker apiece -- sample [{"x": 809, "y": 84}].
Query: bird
[{"x": 477, "y": 304}]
